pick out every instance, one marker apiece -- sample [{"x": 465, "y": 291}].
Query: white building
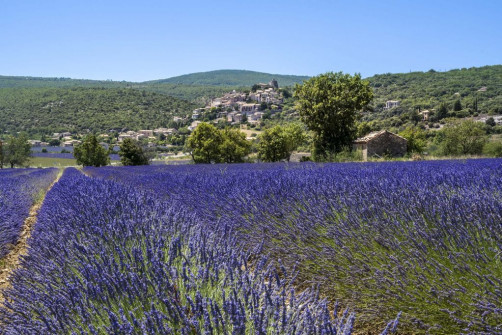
[{"x": 391, "y": 104}]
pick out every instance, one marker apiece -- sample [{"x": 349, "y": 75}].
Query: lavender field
[
  {"x": 19, "y": 189},
  {"x": 407, "y": 247}
]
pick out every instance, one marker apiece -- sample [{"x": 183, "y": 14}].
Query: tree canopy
[
  {"x": 416, "y": 139},
  {"x": 278, "y": 143},
  {"x": 15, "y": 151},
  {"x": 131, "y": 153},
  {"x": 208, "y": 144},
  {"x": 463, "y": 138},
  {"x": 91, "y": 153},
  {"x": 329, "y": 106}
]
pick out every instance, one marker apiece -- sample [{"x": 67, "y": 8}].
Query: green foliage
[
  {"x": 490, "y": 122},
  {"x": 364, "y": 128},
  {"x": 429, "y": 90},
  {"x": 16, "y": 151},
  {"x": 234, "y": 147},
  {"x": 277, "y": 143},
  {"x": 493, "y": 149},
  {"x": 329, "y": 105},
  {"x": 463, "y": 138},
  {"x": 442, "y": 112},
  {"x": 209, "y": 144},
  {"x": 48, "y": 110},
  {"x": 91, "y": 153},
  {"x": 416, "y": 138},
  {"x": 131, "y": 153},
  {"x": 457, "y": 106}
]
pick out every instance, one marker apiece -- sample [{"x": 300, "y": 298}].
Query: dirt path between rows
[{"x": 12, "y": 261}]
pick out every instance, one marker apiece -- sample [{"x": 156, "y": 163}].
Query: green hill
[
  {"x": 231, "y": 78},
  {"x": 47, "y": 110},
  {"x": 428, "y": 90},
  {"x": 42, "y": 105}
]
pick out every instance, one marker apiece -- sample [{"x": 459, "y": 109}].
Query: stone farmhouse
[{"x": 380, "y": 143}]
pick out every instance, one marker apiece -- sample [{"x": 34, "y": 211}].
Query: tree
[
  {"x": 204, "y": 144},
  {"x": 131, "y": 153},
  {"x": 416, "y": 141},
  {"x": 208, "y": 144},
  {"x": 493, "y": 149},
  {"x": 278, "y": 143},
  {"x": 463, "y": 138},
  {"x": 328, "y": 104},
  {"x": 2, "y": 155},
  {"x": 442, "y": 112},
  {"x": 16, "y": 151},
  {"x": 457, "y": 106},
  {"x": 234, "y": 147},
  {"x": 91, "y": 153},
  {"x": 490, "y": 122},
  {"x": 415, "y": 117}
]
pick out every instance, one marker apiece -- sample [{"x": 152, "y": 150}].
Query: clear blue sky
[{"x": 137, "y": 41}]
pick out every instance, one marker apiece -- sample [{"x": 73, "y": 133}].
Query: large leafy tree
[
  {"x": 329, "y": 106},
  {"x": 132, "y": 153},
  {"x": 463, "y": 138},
  {"x": 91, "y": 153},
  {"x": 277, "y": 143},
  {"x": 15, "y": 151},
  {"x": 204, "y": 144},
  {"x": 416, "y": 139},
  {"x": 234, "y": 147},
  {"x": 208, "y": 144}
]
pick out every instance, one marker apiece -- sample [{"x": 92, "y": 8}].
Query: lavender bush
[
  {"x": 108, "y": 258},
  {"x": 19, "y": 189},
  {"x": 424, "y": 238}
]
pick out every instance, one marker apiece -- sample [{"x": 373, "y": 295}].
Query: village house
[
  {"x": 35, "y": 143},
  {"x": 425, "y": 114},
  {"x": 268, "y": 95},
  {"x": 381, "y": 143},
  {"x": 165, "y": 131},
  {"x": 196, "y": 114},
  {"x": 230, "y": 116},
  {"x": 391, "y": 104},
  {"x": 146, "y": 133},
  {"x": 249, "y": 108},
  {"x": 70, "y": 143},
  {"x": 255, "y": 117},
  {"x": 194, "y": 125}
]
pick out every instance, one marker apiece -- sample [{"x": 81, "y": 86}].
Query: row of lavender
[
  {"x": 19, "y": 189},
  {"x": 108, "y": 258},
  {"x": 424, "y": 238}
]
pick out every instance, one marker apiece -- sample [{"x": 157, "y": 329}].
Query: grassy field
[{"x": 51, "y": 162}]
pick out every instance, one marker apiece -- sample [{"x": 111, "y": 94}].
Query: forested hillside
[
  {"x": 41, "y": 105},
  {"x": 46, "y": 110},
  {"x": 231, "y": 78},
  {"x": 428, "y": 90}
]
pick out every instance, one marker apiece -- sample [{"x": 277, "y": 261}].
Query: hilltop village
[{"x": 233, "y": 108}]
